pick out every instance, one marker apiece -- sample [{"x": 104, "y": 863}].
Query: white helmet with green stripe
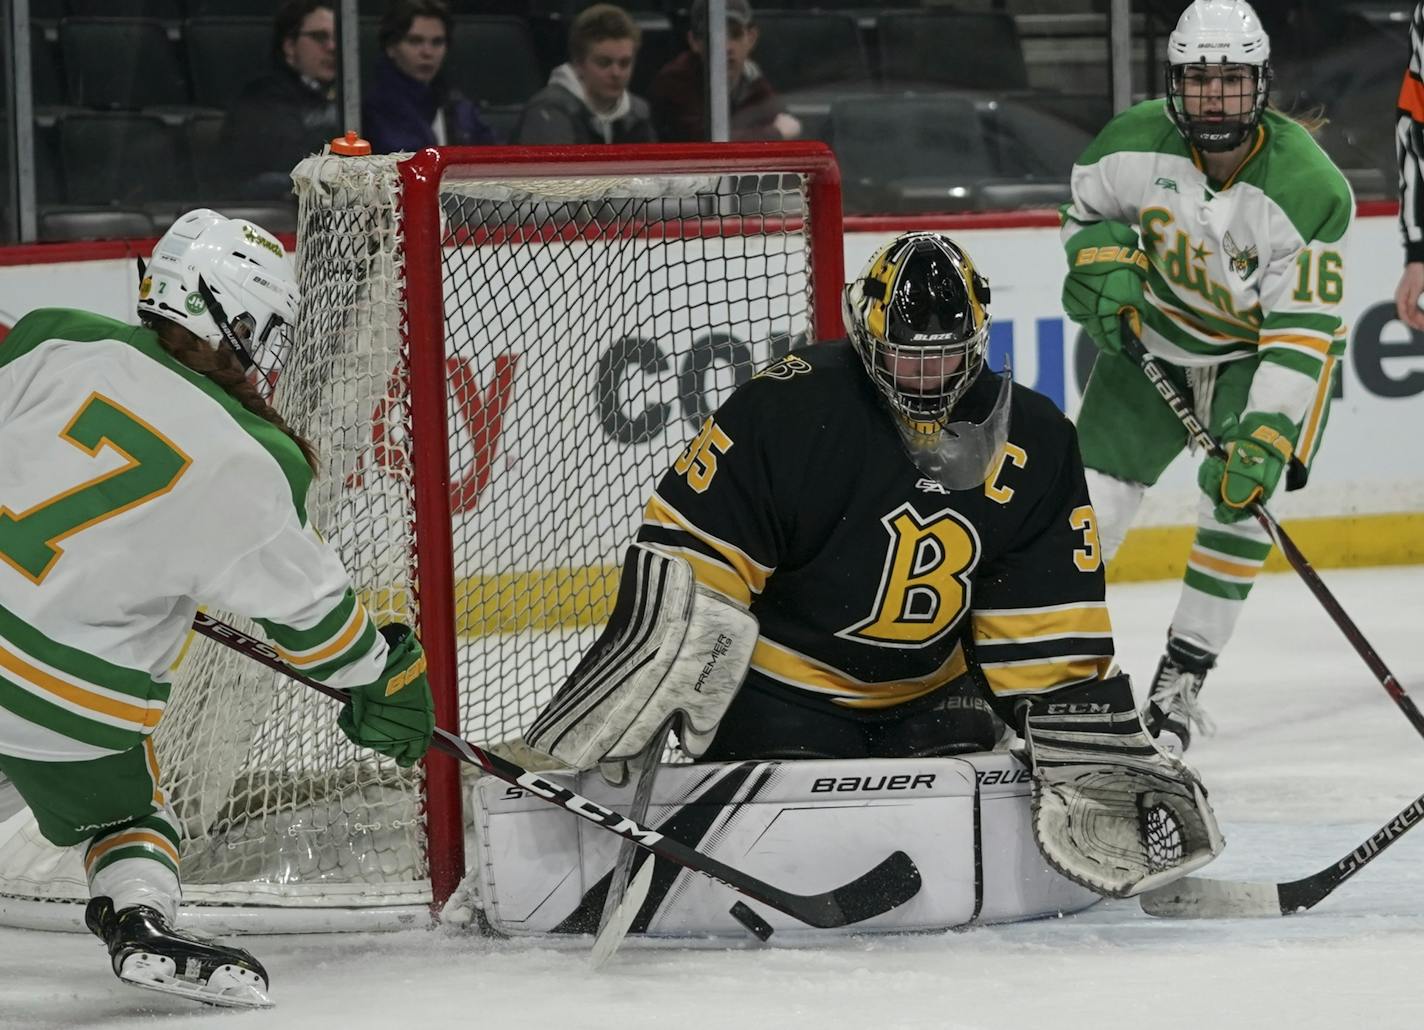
[{"x": 225, "y": 280}]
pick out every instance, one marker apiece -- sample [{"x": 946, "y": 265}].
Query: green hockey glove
[
  {"x": 1258, "y": 447},
  {"x": 1106, "y": 271},
  {"x": 395, "y": 715}
]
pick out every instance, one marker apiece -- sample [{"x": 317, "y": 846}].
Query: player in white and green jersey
[
  {"x": 144, "y": 475},
  {"x": 1220, "y": 226}
]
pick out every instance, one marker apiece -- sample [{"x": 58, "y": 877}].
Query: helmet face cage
[
  {"x": 1238, "y": 81},
  {"x": 918, "y": 319},
  {"x": 1218, "y": 44}
]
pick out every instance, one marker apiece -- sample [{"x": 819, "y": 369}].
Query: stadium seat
[
  {"x": 502, "y": 118},
  {"x": 204, "y": 134},
  {"x": 492, "y": 60},
  {"x": 909, "y": 153},
  {"x": 977, "y": 50},
  {"x": 805, "y": 51},
  {"x": 274, "y": 217},
  {"x": 48, "y": 10},
  {"x": 232, "y": 9},
  {"x": 121, "y": 63},
  {"x": 951, "y": 152},
  {"x": 1030, "y": 141},
  {"x": 221, "y": 53},
  {"x": 49, "y": 170},
  {"x": 124, "y": 159},
  {"x": 165, "y": 10},
  {"x": 94, "y": 223},
  {"x": 45, "y": 77}
]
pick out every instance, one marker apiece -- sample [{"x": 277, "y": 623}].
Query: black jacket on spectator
[
  {"x": 398, "y": 113},
  {"x": 559, "y": 113},
  {"x": 277, "y": 120}
]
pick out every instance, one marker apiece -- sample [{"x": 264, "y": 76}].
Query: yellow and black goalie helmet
[{"x": 917, "y": 307}]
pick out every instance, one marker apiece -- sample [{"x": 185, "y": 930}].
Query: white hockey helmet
[
  {"x": 1218, "y": 33},
  {"x": 225, "y": 280}
]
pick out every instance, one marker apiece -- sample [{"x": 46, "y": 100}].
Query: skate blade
[{"x": 229, "y": 986}]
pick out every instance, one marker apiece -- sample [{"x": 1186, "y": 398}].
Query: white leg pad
[
  {"x": 671, "y": 649},
  {"x": 805, "y": 827}
]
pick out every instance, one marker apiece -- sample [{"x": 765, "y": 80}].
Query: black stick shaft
[
  {"x": 1310, "y": 890},
  {"x": 1133, "y": 348},
  {"x": 891, "y": 883}
]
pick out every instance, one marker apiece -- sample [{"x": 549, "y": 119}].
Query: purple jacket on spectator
[{"x": 399, "y": 113}]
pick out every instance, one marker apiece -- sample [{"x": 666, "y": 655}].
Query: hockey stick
[
  {"x": 890, "y": 884},
  {"x": 623, "y": 901},
  {"x": 1139, "y": 355},
  {"x": 1193, "y": 898}
]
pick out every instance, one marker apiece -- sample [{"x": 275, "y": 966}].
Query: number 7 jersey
[
  {"x": 872, "y": 583},
  {"x": 133, "y": 489}
]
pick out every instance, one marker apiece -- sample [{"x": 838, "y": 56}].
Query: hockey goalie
[{"x": 868, "y": 601}]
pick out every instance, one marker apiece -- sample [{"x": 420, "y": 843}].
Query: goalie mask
[
  {"x": 1218, "y": 73},
  {"x": 918, "y": 318},
  {"x": 225, "y": 280}
]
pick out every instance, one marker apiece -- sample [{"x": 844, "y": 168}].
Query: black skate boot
[
  {"x": 147, "y": 952},
  {"x": 1172, "y": 706}
]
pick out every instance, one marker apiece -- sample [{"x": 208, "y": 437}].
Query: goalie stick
[
  {"x": 890, "y": 884},
  {"x": 1139, "y": 355},
  {"x": 1199, "y": 898}
]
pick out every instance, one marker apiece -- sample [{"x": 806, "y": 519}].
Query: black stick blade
[{"x": 889, "y": 885}]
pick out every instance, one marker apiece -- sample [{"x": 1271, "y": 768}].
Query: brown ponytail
[{"x": 221, "y": 367}]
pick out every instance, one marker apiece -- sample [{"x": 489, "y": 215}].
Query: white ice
[{"x": 1311, "y": 757}]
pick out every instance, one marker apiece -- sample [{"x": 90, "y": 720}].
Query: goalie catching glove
[
  {"x": 1106, "y": 271},
  {"x": 671, "y": 649},
  {"x": 1112, "y": 811},
  {"x": 395, "y": 715}
]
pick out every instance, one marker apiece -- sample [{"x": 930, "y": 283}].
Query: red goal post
[
  {"x": 426, "y": 238},
  {"x": 499, "y": 350}
]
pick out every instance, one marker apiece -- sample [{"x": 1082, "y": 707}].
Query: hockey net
[{"x": 499, "y": 352}]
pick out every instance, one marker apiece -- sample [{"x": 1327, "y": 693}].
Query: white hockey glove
[
  {"x": 671, "y": 648},
  {"x": 1111, "y": 810}
]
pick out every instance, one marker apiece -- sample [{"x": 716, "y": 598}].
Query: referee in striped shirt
[{"x": 1409, "y": 146}]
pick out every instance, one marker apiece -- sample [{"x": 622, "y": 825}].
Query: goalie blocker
[{"x": 672, "y": 650}]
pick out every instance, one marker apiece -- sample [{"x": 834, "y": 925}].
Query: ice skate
[
  {"x": 1173, "y": 708},
  {"x": 148, "y": 953}
]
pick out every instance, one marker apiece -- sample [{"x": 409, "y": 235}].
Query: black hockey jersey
[{"x": 873, "y": 584}]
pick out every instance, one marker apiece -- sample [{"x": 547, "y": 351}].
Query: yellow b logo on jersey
[{"x": 924, "y": 587}]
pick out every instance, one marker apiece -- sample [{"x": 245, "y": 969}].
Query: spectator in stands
[
  {"x": 1409, "y": 147},
  {"x": 290, "y": 112},
  {"x": 679, "y": 91},
  {"x": 587, "y": 99},
  {"x": 410, "y": 105}
]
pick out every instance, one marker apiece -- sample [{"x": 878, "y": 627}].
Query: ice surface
[{"x": 1310, "y": 758}]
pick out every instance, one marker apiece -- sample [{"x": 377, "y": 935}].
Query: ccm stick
[
  {"x": 890, "y": 884},
  {"x": 1201, "y": 898}
]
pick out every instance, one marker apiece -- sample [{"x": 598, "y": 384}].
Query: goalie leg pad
[
  {"x": 670, "y": 649},
  {"x": 1111, "y": 810}
]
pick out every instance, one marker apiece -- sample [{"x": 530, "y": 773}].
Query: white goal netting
[{"x": 581, "y": 324}]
